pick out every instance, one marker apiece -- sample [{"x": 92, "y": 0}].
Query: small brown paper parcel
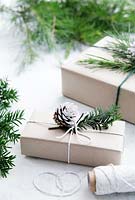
[
  {"x": 98, "y": 87},
  {"x": 104, "y": 147}
]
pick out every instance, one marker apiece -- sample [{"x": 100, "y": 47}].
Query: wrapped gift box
[
  {"x": 98, "y": 87},
  {"x": 104, "y": 148}
]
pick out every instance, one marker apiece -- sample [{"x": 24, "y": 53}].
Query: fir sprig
[
  {"x": 47, "y": 23},
  {"x": 9, "y": 124},
  {"x": 66, "y": 116},
  {"x": 123, "y": 55},
  {"x": 99, "y": 119},
  {"x": 6, "y": 158},
  {"x": 9, "y": 121},
  {"x": 7, "y": 95}
]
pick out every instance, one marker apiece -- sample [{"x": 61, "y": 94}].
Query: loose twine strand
[
  {"x": 74, "y": 129},
  {"x": 59, "y": 184},
  {"x": 58, "y": 178},
  {"x": 70, "y": 131},
  {"x": 109, "y": 179}
]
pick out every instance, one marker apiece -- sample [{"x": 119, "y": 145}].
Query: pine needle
[
  {"x": 123, "y": 54},
  {"x": 9, "y": 123},
  {"x": 46, "y": 24},
  {"x": 99, "y": 119}
]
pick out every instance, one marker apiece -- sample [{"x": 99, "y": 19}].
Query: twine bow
[
  {"x": 67, "y": 116},
  {"x": 74, "y": 129}
]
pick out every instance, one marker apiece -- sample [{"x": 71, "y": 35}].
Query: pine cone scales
[{"x": 65, "y": 115}]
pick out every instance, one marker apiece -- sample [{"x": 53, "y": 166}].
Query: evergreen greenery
[
  {"x": 99, "y": 119},
  {"x": 9, "y": 123},
  {"x": 47, "y": 23},
  {"x": 123, "y": 54}
]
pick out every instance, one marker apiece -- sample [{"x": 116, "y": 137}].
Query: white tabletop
[{"x": 39, "y": 87}]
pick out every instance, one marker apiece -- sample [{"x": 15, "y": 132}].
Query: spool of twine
[
  {"x": 111, "y": 179},
  {"x": 92, "y": 181}
]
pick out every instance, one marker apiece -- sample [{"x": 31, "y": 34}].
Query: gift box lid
[
  {"x": 104, "y": 75},
  {"x": 37, "y": 129}
]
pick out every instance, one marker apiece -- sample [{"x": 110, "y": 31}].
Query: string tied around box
[
  {"x": 67, "y": 116},
  {"x": 129, "y": 74},
  {"x": 123, "y": 54},
  {"x": 121, "y": 84}
]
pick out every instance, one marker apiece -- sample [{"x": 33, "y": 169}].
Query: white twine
[
  {"x": 58, "y": 178},
  {"x": 79, "y": 135},
  {"x": 70, "y": 131},
  {"x": 109, "y": 179},
  {"x": 75, "y": 128},
  {"x": 114, "y": 179},
  {"x": 59, "y": 184}
]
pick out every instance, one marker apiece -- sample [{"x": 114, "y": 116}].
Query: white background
[{"x": 39, "y": 87}]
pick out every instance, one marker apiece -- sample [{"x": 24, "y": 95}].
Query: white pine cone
[{"x": 66, "y": 115}]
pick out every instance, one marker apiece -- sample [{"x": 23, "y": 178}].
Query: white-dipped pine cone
[{"x": 66, "y": 114}]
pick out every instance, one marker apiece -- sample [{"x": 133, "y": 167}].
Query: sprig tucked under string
[
  {"x": 123, "y": 54},
  {"x": 67, "y": 116}
]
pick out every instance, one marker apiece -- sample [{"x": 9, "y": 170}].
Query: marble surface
[{"x": 39, "y": 87}]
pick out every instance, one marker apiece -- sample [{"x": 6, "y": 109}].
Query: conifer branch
[
  {"x": 99, "y": 119},
  {"x": 123, "y": 55},
  {"x": 66, "y": 116},
  {"x": 9, "y": 124},
  {"x": 39, "y": 20}
]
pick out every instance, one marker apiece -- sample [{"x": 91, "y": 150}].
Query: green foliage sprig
[
  {"x": 9, "y": 123},
  {"x": 66, "y": 116},
  {"x": 123, "y": 55},
  {"x": 47, "y": 23},
  {"x": 99, "y": 119}
]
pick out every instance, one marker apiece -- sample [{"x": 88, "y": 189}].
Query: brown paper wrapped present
[
  {"x": 98, "y": 87},
  {"x": 104, "y": 148}
]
